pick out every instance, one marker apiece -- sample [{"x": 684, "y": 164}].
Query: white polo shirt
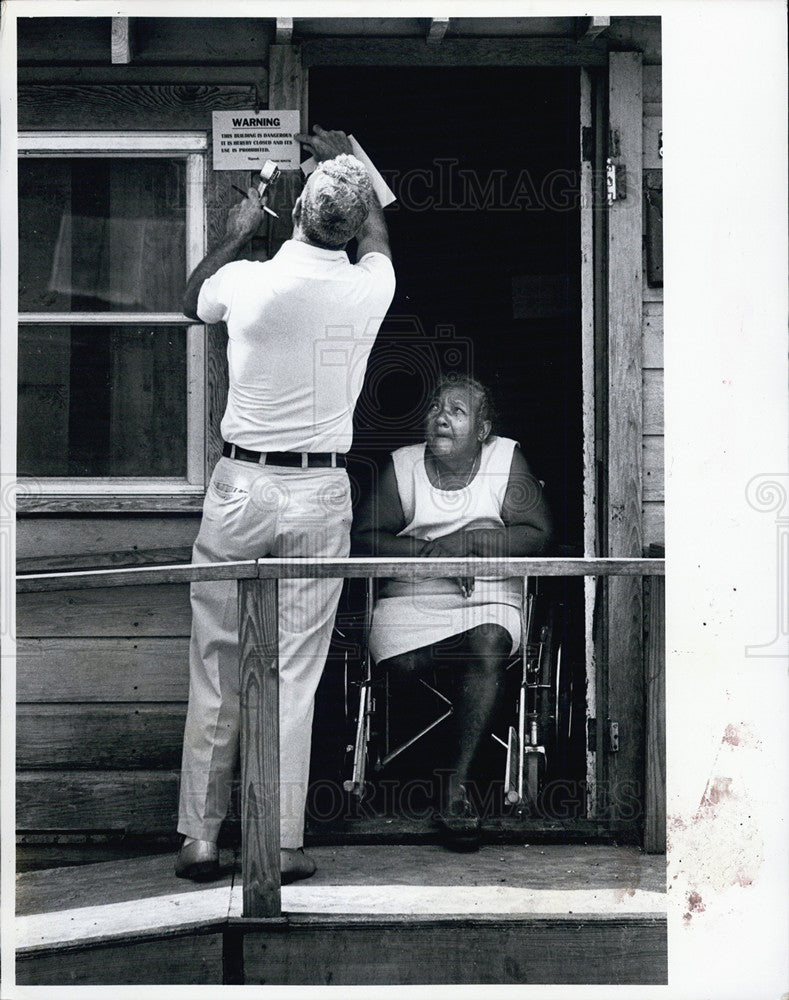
[{"x": 301, "y": 327}]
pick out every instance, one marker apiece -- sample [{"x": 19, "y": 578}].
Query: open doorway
[{"x": 485, "y": 237}]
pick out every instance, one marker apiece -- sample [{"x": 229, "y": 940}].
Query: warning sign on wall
[{"x": 244, "y": 140}]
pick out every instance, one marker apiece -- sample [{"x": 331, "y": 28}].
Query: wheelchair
[{"x": 538, "y": 702}]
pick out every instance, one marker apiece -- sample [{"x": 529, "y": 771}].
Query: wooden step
[{"x": 371, "y": 915}]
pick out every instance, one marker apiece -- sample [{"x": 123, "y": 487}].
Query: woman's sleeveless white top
[{"x": 413, "y": 614}]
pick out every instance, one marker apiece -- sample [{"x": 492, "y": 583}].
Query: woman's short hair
[
  {"x": 337, "y": 201},
  {"x": 486, "y": 409}
]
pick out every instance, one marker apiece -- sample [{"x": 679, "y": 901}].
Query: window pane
[
  {"x": 102, "y": 234},
  {"x": 102, "y": 401}
]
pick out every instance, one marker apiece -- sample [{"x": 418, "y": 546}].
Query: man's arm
[
  {"x": 373, "y": 237},
  {"x": 243, "y": 221}
]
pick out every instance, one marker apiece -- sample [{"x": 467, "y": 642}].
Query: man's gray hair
[{"x": 337, "y": 201}]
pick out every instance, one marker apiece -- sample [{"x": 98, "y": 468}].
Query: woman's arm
[
  {"x": 379, "y": 519},
  {"x": 527, "y": 522}
]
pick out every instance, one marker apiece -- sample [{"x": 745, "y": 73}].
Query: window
[{"x": 111, "y": 372}]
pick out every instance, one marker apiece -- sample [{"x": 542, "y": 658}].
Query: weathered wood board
[
  {"x": 54, "y": 536},
  {"x": 189, "y": 959},
  {"x": 655, "y": 669},
  {"x": 123, "y": 736},
  {"x": 406, "y": 952},
  {"x": 102, "y": 670},
  {"x": 654, "y": 467},
  {"x": 653, "y": 401},
  {"x": 110, "y": 106},
  {"x": 653, "y": 335},
  {"x": 120, "y": 801},
  {"x": 158, "y": 610}
]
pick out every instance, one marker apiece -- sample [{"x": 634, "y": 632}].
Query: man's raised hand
[
  {"x": 323, "y": 144},
  {"x": 244, "y": 218}
]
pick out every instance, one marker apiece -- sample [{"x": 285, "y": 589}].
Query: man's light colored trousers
[{"x": 252, "y": 511}]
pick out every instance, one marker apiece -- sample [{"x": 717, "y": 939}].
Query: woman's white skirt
[{"x": 418, "y": 619}]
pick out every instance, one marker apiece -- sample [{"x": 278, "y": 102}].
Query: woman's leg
[
  {"x": 473, "y": 664},
  {"x": 478, "y": 673}
]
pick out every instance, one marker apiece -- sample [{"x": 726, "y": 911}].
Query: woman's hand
[{"x": 452, "y": 546}]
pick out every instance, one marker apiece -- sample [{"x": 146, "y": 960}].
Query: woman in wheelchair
[{"x": 463, "y": 492}]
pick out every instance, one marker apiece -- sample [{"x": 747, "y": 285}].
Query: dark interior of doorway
[{"x": 485, "y": 237}]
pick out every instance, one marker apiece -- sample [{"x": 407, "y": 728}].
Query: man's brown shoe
[{"x": 198, "y": 860}]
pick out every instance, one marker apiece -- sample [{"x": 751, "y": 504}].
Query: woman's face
[{"x": 451, "y": 427}]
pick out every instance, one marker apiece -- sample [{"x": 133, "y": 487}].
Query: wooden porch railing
[{"x": 258, "y": 627}]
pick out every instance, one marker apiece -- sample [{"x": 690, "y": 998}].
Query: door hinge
[
  {"x": 591, "y": 735},
  {"x": 587, "y": 143},
  {"x": 615, "y": 181},
  {"x": 613, "y": 736}
]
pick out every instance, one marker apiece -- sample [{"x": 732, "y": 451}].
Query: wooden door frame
[
  {"x": 622, "y": 768},
  {"x": 611, "y": 345}
]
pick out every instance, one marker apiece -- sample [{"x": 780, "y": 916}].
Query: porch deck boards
[
  {"x": 91, "y": 903},
  {"x": 509, "y": 913}
]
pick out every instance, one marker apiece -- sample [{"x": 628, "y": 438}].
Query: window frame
[{"x": 50, "y": 491}]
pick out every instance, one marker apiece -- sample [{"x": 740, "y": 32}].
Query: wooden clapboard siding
[
  {"x": 92, "y": 670},
  {"x": 433, "y": 951},
  {"x": 653, "y": 401},
  {"x": 90, "y": 561},
  {"x": 653, "y": 506},
  {"x": 55, "y": 536},
  {"x": 120, "y": 736},
  {"x": 49, "y": 537},
  {"x": 123, "y": 802},
  {"x": 653, "y": 86},
  {"x": 161, "y": 610},
  {"x": 622, "y": 685},
  {"x": 184, "y": 959},
  {"x": 652, "y": 337},
  {"x": 109, "y": 106},
  {"x": 655, "y": 669},
  {"x": 653, "y": 467},
  {"x": 654, "y": 522}
]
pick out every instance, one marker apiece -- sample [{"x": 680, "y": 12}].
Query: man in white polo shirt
[{"x": 300, "y": 329}]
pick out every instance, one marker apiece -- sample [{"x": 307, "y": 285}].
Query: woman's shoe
[
  {"x": 459, "y": 824},
  {"x": 198, "y": 860}
]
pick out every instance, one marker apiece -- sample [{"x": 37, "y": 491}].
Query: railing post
[{"x": 258, "y": 640}]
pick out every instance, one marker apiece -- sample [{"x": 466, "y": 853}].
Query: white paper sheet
[{"x": 385, "y": 194}]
